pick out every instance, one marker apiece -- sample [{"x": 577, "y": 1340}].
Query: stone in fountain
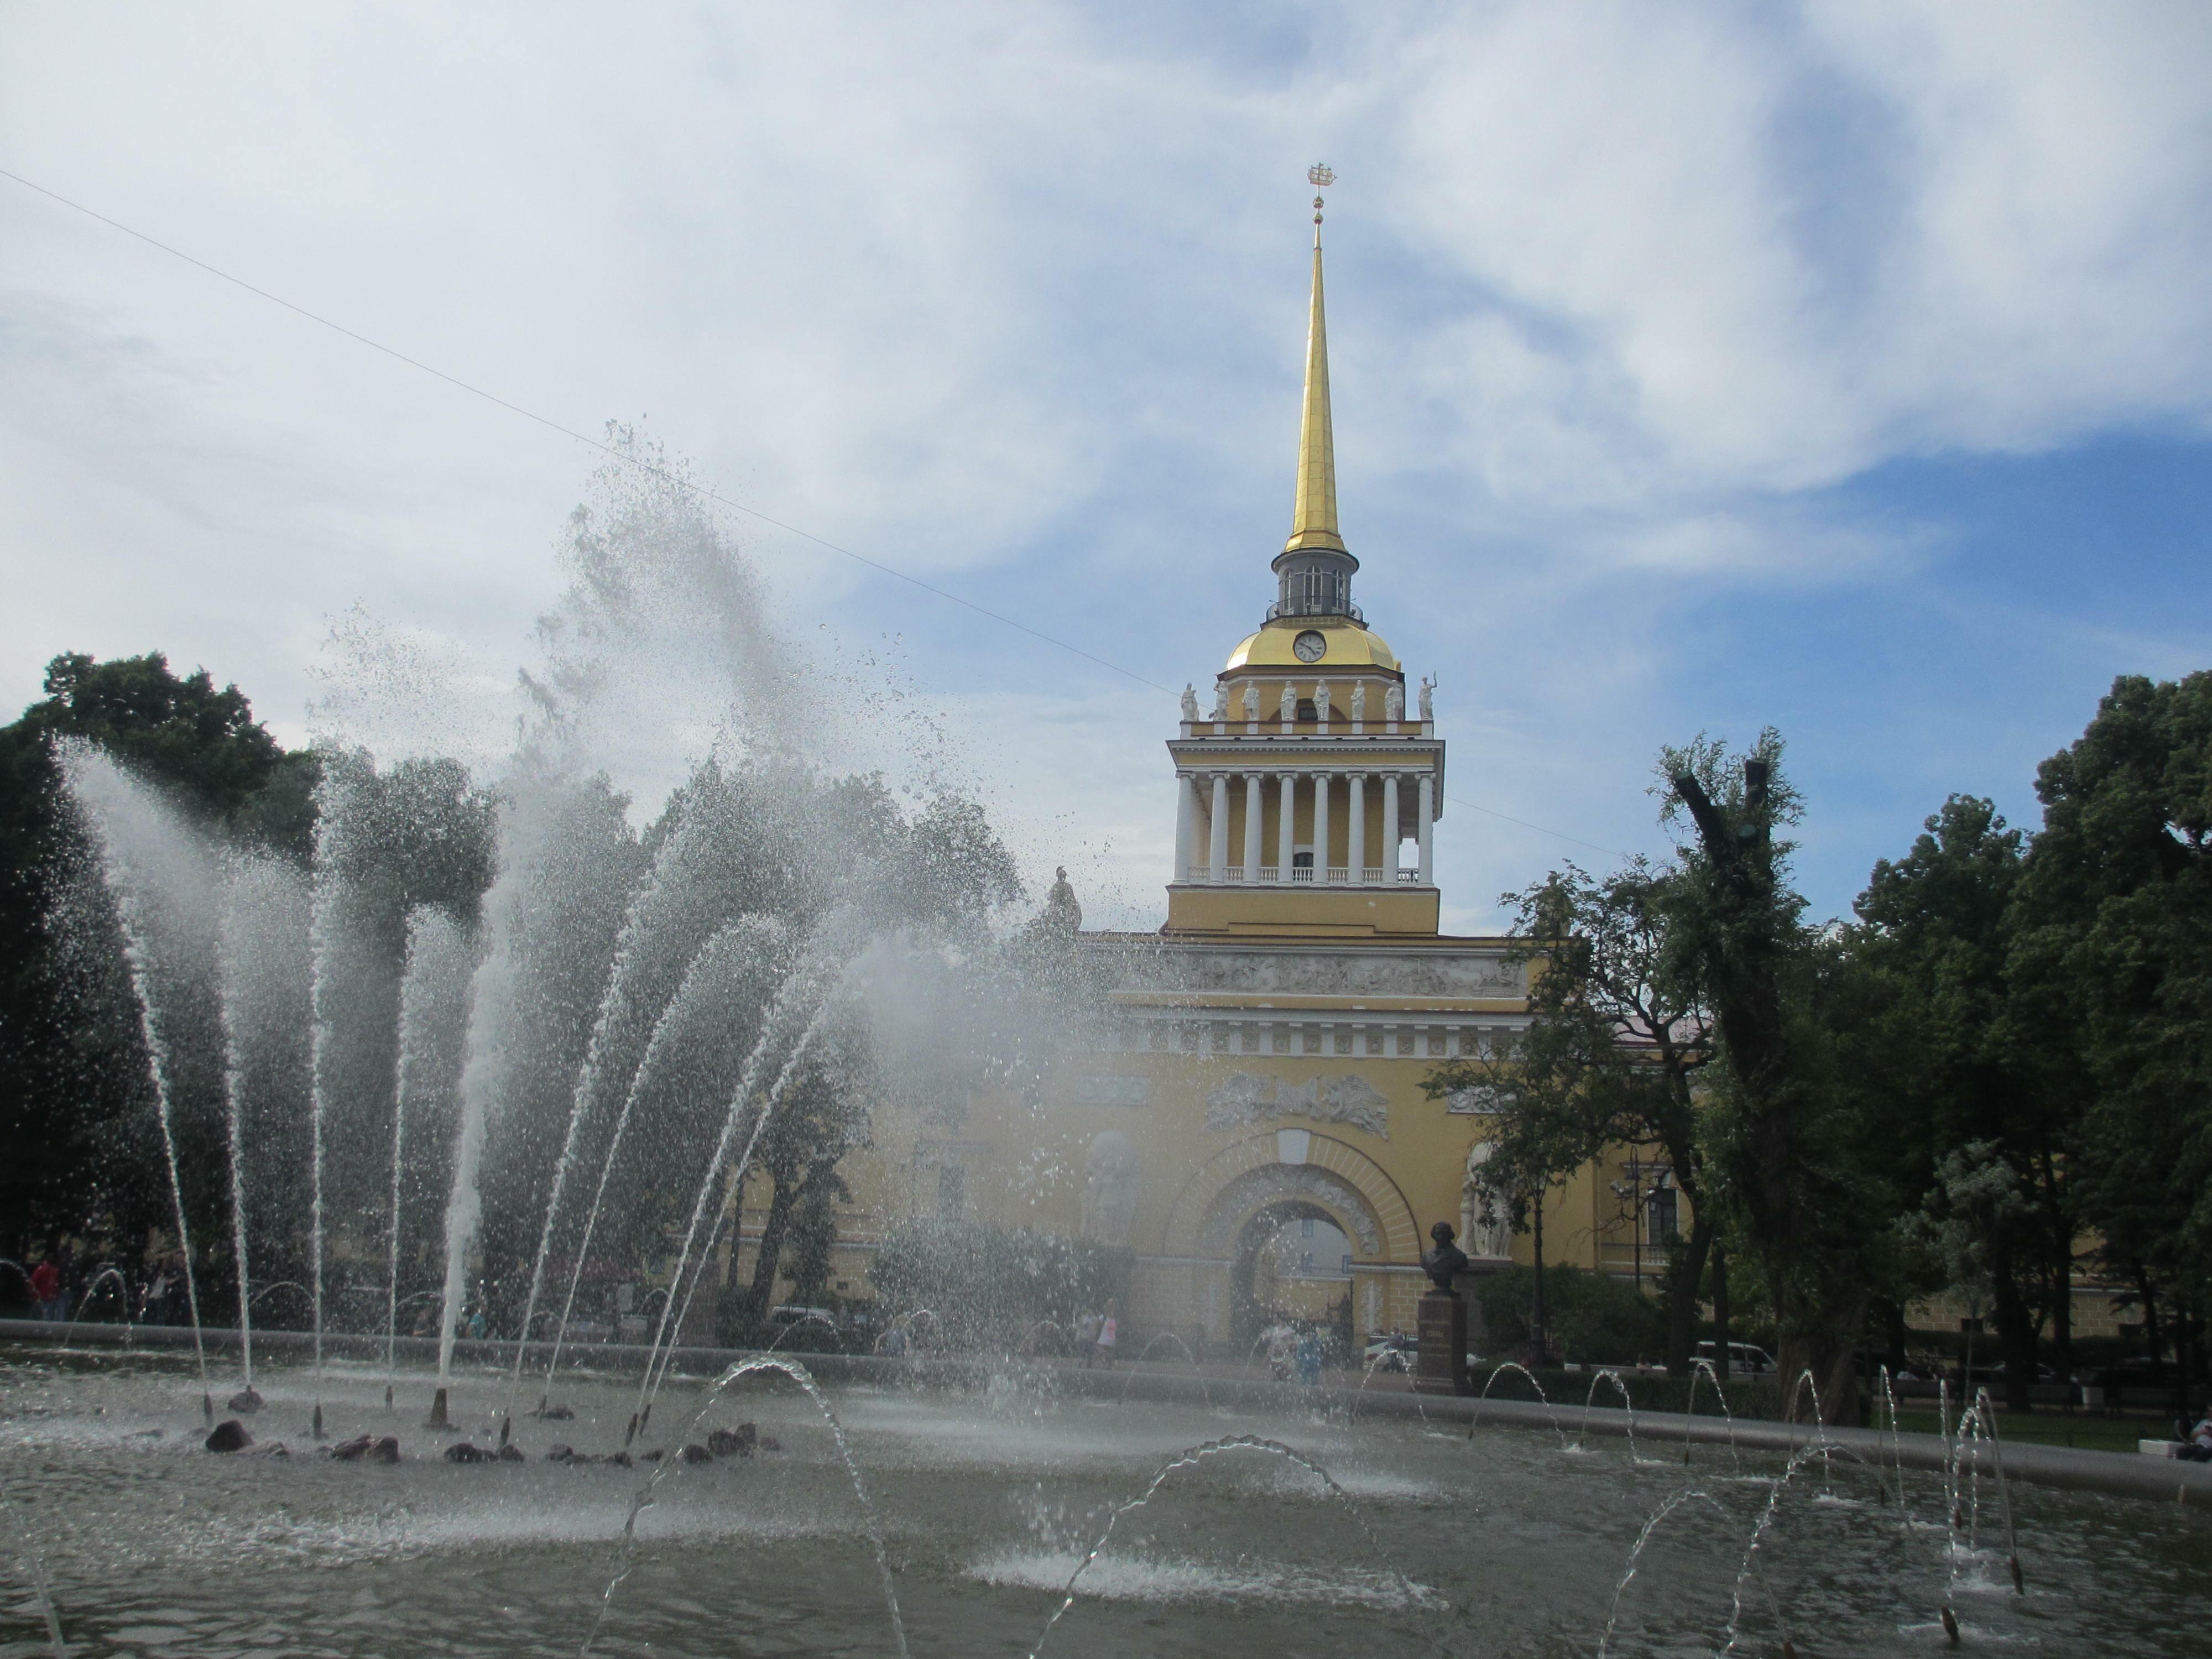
[{"x": 1440, "y": 1364}]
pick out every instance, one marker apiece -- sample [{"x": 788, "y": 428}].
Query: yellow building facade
[{"x": 1266, "y": 1048}]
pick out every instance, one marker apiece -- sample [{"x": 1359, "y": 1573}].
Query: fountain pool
[{"x": 1501, "y": 1542}]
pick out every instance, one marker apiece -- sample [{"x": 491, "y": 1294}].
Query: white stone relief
[
  {"x": 1486, "y": 1221},
  {"x": 1244, "y": 1098},
  {"x": 1276, "y": 1180},
  {"x": 1113, "y": 1180},
  {"x": 1113, "y": 1089},
  {"x": 1481, "y": 1100}
]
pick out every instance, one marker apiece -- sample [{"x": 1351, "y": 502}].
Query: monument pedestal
[{"x": 1440, "y": 1362}]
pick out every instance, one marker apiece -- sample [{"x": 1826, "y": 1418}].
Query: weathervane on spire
[{"x": 1319, "y": 176}]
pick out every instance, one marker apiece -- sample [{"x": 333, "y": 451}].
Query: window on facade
[
  {"x": 1307, "y": 711},
  {"x": 1660, "y": 1221},
  {"x": 1301, "y": 860}
]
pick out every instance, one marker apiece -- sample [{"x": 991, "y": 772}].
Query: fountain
[{"x": 633, "y": 1013}]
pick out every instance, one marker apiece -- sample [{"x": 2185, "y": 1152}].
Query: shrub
[
  {"x": 1595, "y": 1318},
  {"x": 990, "y": 1287}
]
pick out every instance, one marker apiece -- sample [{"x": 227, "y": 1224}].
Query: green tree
[
  {"x": 1619, "y": 1033},
  {"x": 1785, "y": 1152},
  {"x": 2115, "y": 916},
  {"x": 74, "y": 1103},
  {"x": 1942, "y": 1050}
]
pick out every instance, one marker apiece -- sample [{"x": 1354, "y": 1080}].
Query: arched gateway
[{"x": 1223, "y": 1211}]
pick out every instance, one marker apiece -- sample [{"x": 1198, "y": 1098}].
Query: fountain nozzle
[
  {"x": 1951, "y": 1625},
  {"x": 438, "y": 1412},
  {"x": 207, "y": 1407},
  {"x": 2018, "y": 1587},
  {"x": 317, "y": 1430},
  {"x": 387, "y": 1396},
  {"x": 506, "y": 1429},
  {"x": 630, "y": 1433}
]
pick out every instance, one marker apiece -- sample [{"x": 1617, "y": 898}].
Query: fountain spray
[
  {"x": 663, "y": 1341},
  {"x": 234, "y": 1090},
  {"x": 711, "y": 956},
  {"x": 80, "y": 764},
  {"x": 587, "y": 1080}
]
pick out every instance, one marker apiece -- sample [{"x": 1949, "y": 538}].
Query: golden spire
[{"x": 1313, "y": 516}]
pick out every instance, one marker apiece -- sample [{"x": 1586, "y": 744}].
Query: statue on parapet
[
  {"x": 1359, "y": 700},
  {"x": 1061, "y": 912},
  {"x": 1290, "y": 702},
  {"x": 1320, "y": 703},
  {"x": 1394, "y": 703},
  {"x": 1189, "y": 702},
  {"x": 1220, "y": 702},
  {"x": 1429, "y": 696}
]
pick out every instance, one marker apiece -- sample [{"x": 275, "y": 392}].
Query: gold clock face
[{"x": 1310, "y": 647}]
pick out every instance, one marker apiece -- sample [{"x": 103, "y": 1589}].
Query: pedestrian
[
  {"x": 1308, "y": 1358},
  {"x": 1086, "y": 1337},
  {"x": 894, "y": 1343},
  {"x": 1109, "y": 1330},
  {"x": 2197, "y": 1445},
  {"x": 46, "y": 1290}
]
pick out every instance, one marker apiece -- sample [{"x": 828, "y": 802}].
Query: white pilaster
[
  {"x": 1390, "y": 828},
  {"x": 1320, "y": 827},
  {"x": 1252, "y": 853},
  {"x": 1428, "y": 815},
  {"x": 1218, "y": 843},
  {"x": 1186, "y": 823},
  {"x": 1355, "y": 856},
  {"x": 1286, "y": 830}
]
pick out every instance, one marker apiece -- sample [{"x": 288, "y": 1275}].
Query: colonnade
[{"x": 1250, "y": 866}]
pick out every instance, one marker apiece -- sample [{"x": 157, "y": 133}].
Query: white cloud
[{"x": 1012, "y": 295}]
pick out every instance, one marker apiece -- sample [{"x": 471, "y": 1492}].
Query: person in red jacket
[{"x": 46, "y": 1290}]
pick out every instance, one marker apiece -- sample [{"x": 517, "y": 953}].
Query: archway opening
[{"x": 1292, "y": 1265}]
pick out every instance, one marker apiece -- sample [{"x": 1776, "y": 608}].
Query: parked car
[{"x": 1744, "y": 1359}]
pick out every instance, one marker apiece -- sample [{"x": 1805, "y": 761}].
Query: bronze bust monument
[{"x": 1446, "y": 1261}]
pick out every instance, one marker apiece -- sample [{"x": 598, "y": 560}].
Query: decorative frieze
[{"x": 1244, "y": 1098}]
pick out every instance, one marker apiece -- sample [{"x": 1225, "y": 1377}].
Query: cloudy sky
[{"x": 1844, "y": 368}]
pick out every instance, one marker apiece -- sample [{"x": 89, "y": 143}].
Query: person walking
[
  {"x": 1309, "y": 1359},
  {"x": 46, "y": 1290},
  {"x": 1086, "y": 1338},
  {"x": 1109, "y": 1330}
]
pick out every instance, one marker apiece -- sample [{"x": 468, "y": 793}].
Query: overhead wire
[{"x": 665, "y": 474}]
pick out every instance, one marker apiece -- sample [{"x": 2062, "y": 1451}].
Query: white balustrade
[{"x": 1371, "y": 876}]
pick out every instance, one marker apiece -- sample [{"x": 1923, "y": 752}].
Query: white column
[
  {"x": 1428, "y": 812},
  {"x": 1186, "y": 823},
  {"x": 1252, "y": 854},
  {"x": 1218, "y": 843},
  {"x": 1390, "y": 827},
  {"x": 1356, "y": 854},
  {"x": 1286, "y": 830},
  {"x": 1320, "y": 827}
]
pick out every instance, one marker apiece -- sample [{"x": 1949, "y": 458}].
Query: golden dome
[{"x": 1348, "y": 645}]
